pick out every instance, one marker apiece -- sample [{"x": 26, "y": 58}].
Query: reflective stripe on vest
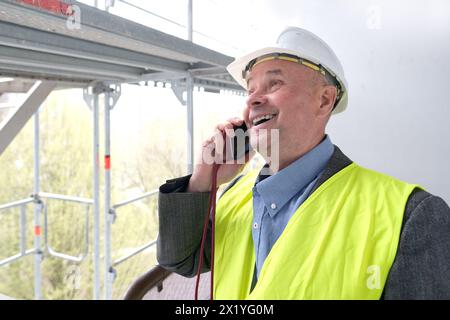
[{"x": 339, "y": 244}]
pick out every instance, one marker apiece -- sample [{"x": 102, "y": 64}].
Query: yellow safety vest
[{"x": 339, "y": 244}]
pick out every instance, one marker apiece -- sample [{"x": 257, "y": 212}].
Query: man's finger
[{"x": 236, "y": 121}]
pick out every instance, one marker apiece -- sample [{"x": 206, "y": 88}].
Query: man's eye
[{"x": 275, "y": 83}]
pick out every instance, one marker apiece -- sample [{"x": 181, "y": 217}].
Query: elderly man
[{"x": 313, "y": 224}]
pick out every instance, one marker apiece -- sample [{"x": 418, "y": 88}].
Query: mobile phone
[{"x": 240, "y": 143}]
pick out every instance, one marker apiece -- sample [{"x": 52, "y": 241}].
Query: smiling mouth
[{"x": 259, "y": 120}]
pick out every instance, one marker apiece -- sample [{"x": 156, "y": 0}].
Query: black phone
[{"x": 240, "y": 143}]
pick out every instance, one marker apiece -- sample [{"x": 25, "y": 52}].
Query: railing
[
  {"x": 22, "y": 231},
  {"x": 41, "y": 200},
  {"x": 38, "y": 200},
  {"x": 161, "y": 284},
  {"x": 152, "y": 278},
  {"x": 110, "y": 265},
  {"x": 88, "y": 203}
]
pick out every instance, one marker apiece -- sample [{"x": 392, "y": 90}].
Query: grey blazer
[{"x": 421, "y": 269}]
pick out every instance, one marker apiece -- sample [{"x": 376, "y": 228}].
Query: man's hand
[{"x": 201, "y": 177}]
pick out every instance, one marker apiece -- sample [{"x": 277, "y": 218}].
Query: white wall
[{"x": 396, "y": 56}]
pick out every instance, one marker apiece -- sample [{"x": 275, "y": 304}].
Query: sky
[{"x": 395, "y": 58}]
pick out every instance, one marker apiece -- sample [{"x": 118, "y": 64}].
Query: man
[{"x": 313, "y": 224}]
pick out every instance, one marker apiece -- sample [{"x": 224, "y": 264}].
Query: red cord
[{"x": 211, "y": 212}]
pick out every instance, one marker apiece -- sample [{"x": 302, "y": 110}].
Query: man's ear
[{"x": 328, "y": 95}]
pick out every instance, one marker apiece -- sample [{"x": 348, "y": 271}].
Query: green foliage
[{"x": 66, "y": 168}]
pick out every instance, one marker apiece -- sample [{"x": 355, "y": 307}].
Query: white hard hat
[{"x": 301, "y": 44}]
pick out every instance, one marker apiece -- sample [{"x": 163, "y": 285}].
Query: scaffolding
[{"x": 42, "y": 48}]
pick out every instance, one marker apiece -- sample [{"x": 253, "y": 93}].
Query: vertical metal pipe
[
  {"x": 23, "y": 230},
  {"x": 190, "y": 21},
  {"x": 190, "y": 100},
  {"x": 107, "y": 221},
  {"x": 37, "y": 214},
  {"x": 190, "y": 122},
  {"x": 96, "y": 187}
]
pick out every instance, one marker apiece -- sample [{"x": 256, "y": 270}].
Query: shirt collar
[{"x": 276, "y": 190}]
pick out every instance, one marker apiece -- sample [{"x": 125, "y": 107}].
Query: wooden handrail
[{"x": 152, "y": 278}]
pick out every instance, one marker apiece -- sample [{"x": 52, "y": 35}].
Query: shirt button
[
  {"x": 255, "y": 226},
  {"x": 273, "y": 206}
]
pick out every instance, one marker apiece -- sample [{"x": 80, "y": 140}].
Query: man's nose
[{"x": 256, "y": 100}]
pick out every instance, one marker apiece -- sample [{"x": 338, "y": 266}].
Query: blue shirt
[{"x": 277, "y": 197}]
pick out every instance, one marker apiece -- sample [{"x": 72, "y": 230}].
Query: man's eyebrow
[{"x": 274, "y": 72}]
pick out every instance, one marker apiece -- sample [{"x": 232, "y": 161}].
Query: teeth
[{"x": 265, "y": 117}]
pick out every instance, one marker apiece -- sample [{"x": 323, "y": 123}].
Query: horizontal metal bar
[
  {"x": 161, "y": 76},
  {"x": 224, "y": 83},
  {"x": 16, "y": 203},
  {"x": 65, "y": 198},
  {"x": 209, "y": 71},
  {"x": 16, "y": 257},
  {"x": 145, "y": 195},
  {"x": 38, "y": 73},
  {"x": 38, "y": 40},
  {"x": 128, "y": 256},
  {"x": 217, "y": 85},
  {"x": 63, "y": 82},
  {"x": 32, "y": 59},
  {"x": 65, "y": 256},
  {"x": 154, "y": 76}
]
